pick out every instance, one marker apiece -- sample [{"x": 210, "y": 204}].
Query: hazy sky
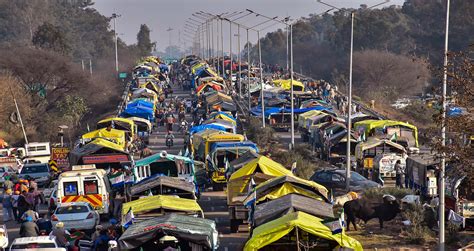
[{"x": 160, "y": 15}]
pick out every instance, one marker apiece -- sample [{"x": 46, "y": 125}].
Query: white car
[
  {"x": 49, "y": 189},
  {"x": 37, "y": 243},
  {"x": 77, "y": 215},
  {"x": 52, "y": 200}
]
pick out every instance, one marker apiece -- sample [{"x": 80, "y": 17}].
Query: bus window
[
  {"x": 70, "y": 188},
  {"x": 91, "y": 187}
]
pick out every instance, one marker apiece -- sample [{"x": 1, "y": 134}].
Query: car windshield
[
  {"x": 357, "y": 177},
  {"x": 72, "y": 209},
  {"x": 34, "y": 169}
]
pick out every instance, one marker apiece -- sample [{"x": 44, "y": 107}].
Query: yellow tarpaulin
[
  {"x": 200, "y": 136},
  {"x": 286, "y": 84},
  {"x": 168, "y": 202},
  {"x": 274, "y": 230},
  {"x": 288, "y": 188},
  {"x": 263, "y": 165},
  {"x": 107, "y": 144},
  {"x": 151, "y": 86},
  {"x": 117, "y": 136},
  {"x": 302, "y": 117},
  {"x": 197, "y": 66},
  {"x": 130, "y": 124},
  {"x": 369, "y": 125}
]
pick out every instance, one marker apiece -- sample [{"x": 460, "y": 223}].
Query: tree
[
  {"x": 144, "y": 43},
  {"x": 384, "y": 75},
  {"x": 50, "y": 37}
]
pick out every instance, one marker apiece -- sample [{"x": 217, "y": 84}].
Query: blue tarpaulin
[
  {"x": 245, "y": 144},
  {"x": 196, "y": 129},
  {"x": 138, "y": 110},
  {"x": 141, "y": 102}
]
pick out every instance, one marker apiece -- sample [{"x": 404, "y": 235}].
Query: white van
[
  {"x": 85, "y": 183},
  {"x": 38, "y": 152}
]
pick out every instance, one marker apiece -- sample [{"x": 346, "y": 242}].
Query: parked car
[
  {"x": 336, "y": 179},
  {"x": 39, "y": 171},
  {"x": 40, "y": 243},
  {"x": 77, "y": 215}
]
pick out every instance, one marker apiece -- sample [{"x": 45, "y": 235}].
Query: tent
[
  {"x": 274, "y": 209},
  {"x": 263, "y": 165},
  {"x": 200, "y": 231},
  {"x": 119, "y": 124},
  {"x": 374, "y": 142},
  {"x": 202, "y": 88},
  {"x": 273, "y": 231},
  {"x": 242, "y": 160},
  {"x": 222, "y": 115},
  {"x": 138, "y": 110}
]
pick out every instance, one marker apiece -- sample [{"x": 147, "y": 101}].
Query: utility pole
[
  {"x": 115, "y": 16},
  {"x": 261, "y": 78},
  {"x": 19, "y": 115},
  {"x": 230, "y": 53},
  {"x": 240, "y": 63},
  {"x": 90, "y": 66},
  {"x": 292, "y": 145},
  {"x": 443, "y": 137},
  {"x": 248, "y": 70}
]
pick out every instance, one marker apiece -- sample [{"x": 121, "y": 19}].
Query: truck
[{"x": 37, "y": 152}]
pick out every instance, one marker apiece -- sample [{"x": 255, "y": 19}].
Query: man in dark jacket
[{"x": 29, "y": 228}]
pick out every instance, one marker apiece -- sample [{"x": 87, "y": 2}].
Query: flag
[
  {"x": 336, "y": 225},
  {"x": 394, "y": 137},
  {"x": 128, "y": 218},
  {"x": 116, "y": 179},
  {"x": 293, "y": 167}
]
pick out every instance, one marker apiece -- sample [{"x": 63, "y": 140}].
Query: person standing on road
[
  {"x": 8, "y": 184},
  {"x": 398, "y": 174},
  {"x": 61, "y": 234},
  {"x": 15, "y": 198},
  {"x": 7, "y": 206},
  {"x": 169, "y": 121},
  {"x": 23, "y": 205},
  {"x": 29, "y": 228}
]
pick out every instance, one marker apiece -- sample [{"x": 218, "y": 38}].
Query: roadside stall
[
  {"x": 295, "y": 231},
  {"x": 190, "y": 233}
]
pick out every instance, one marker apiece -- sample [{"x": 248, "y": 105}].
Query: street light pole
[
  {"x": 248, "y": 70},
  {"x": 349, "y": 113},
  {"x": 230, "y": 53},
  {"x": 240, "y": 63},
  {"x": 222, "y": 42},
  {"x": 291, "y": 94},
  {"x": 115, "y": 16},
  {"x": 349, "y": 110},
  {"x": 261, "y": 77},
  {"x": 443, "y": 136}
]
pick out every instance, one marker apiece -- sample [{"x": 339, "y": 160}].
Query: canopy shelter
[
  {"x": 397, "y": 129},
  {"x": 218, "y": 97},
  {"x": 186, "y": 229},
  {"x": 209, "y": 140},
  {"x": 198, "y": 137},
  {"x": 223, "y": 106},
  {"x": 150, "y": 85},
  {"x": 312, "y": 102},
  {"x": 158, "y": 205},
  {"x": 200, "y": 128},
  {"x": 274, "y": 209},
  {"x": 143, "y": 92},
  {"x": 205, "y": 72},
  {"x": 286, "y": 84},
  {"x": 283, "y": 185},
  {"x": 139, "y": 110},
  {"x": 163, "y": 185},
  {"x": 263, "y": 165},
  {"x": 282, "y": 233},
  {"x": 209, "y": 86},
  {"x": 320, "y": 118},
  {"x": 122, "y": 124},
  {"x": 116, "y": 136},
  {"x": 374, "y": 146},
  {"x": 143, "y": 125},
  {"x": 141, "y": 102},
  {"x": 101, "y": 152},
  {"x": 303, "y": 116},
  {"x": 242, "y": 160},
  {"x": 164, "y": 164},
  {"x": 223, "y": 116}
]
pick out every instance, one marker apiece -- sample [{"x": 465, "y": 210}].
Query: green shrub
[
  {"x": 377, "y": 193},
  {"x": 417, "y": 232}
]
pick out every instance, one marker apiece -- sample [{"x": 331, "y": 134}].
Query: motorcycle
[{"x": 169, "y": 140}]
